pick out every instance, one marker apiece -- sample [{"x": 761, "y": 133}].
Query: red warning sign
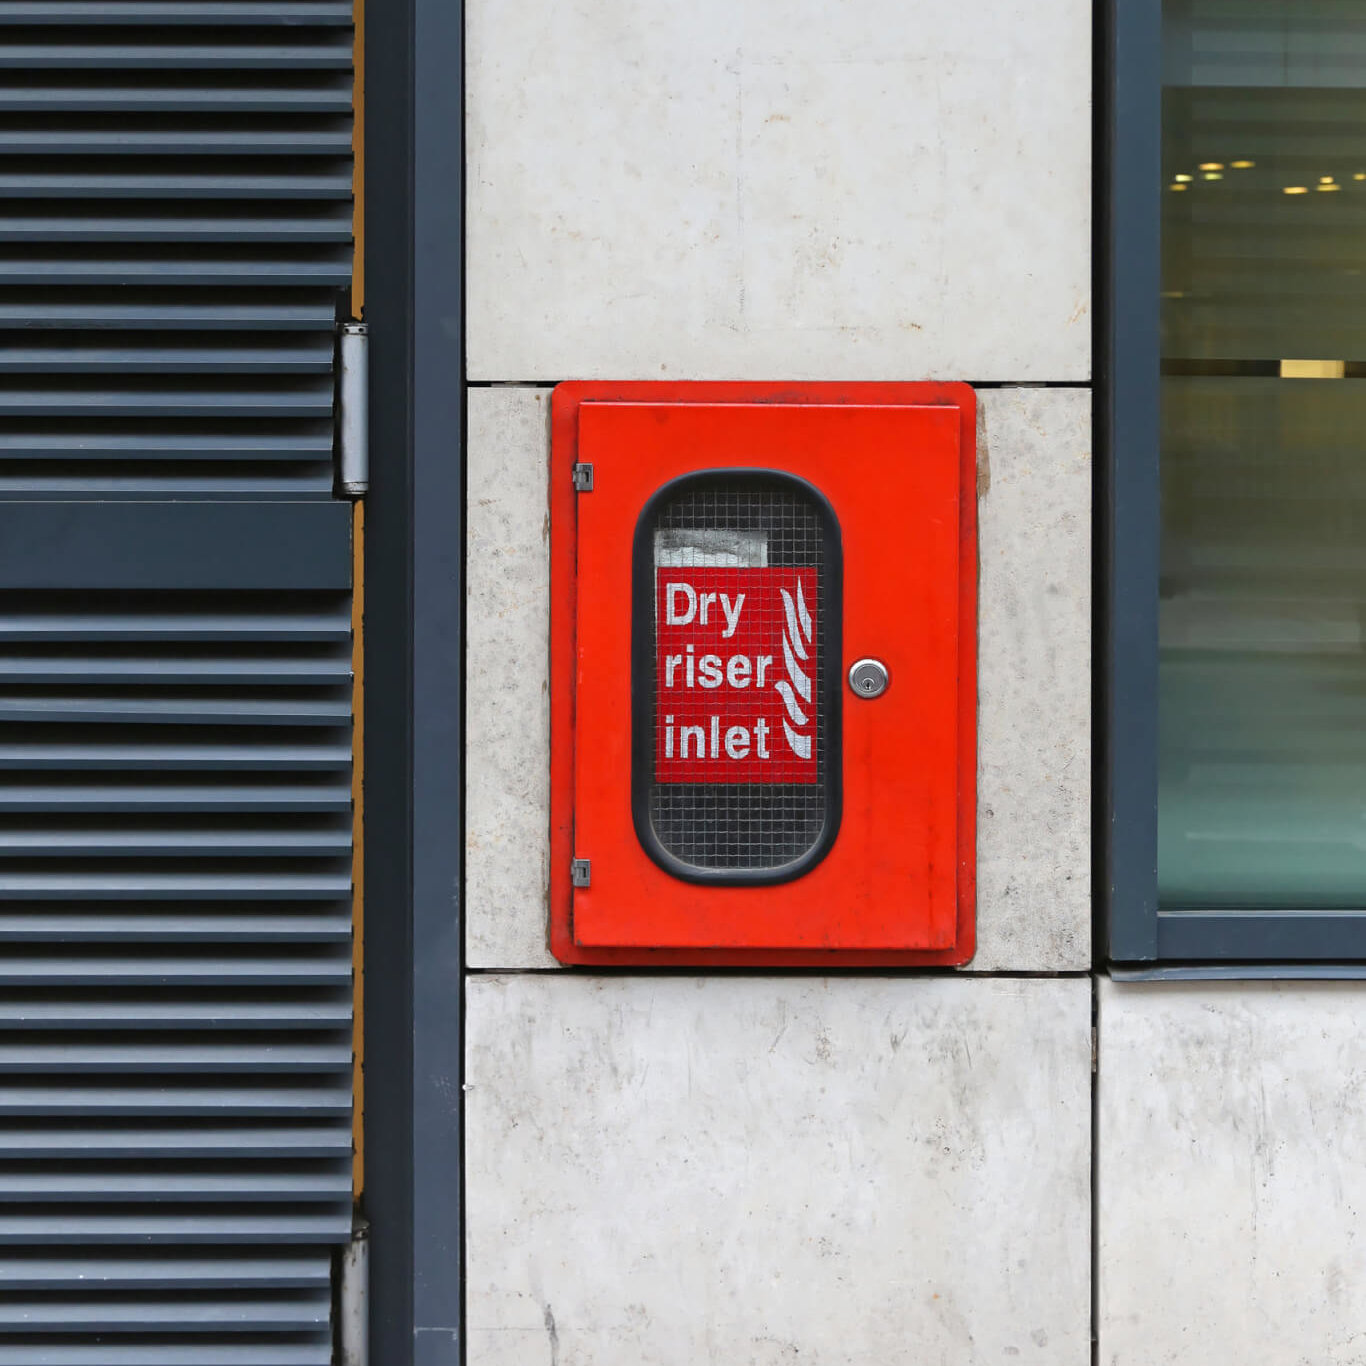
[{"x": 735, "y": 675}]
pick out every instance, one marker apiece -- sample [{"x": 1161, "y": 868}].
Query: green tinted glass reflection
[{"x": 1262, "y": 763}]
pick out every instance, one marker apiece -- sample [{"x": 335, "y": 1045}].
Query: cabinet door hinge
[
  {"x": 583, "y": 478},
  {"x": 581, "y": 872}
]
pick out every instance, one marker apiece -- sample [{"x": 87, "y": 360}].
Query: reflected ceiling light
[
  {"x": 1243, "y": 165},
  {"x": 1213, "y": 175},
  {"x": 1296, "y": 189},
  {"x": 1325, "y": 180},
  {"x": 1360, "y": 175},
  {"x": 1322, "y": 188},
  {"x": 1211, "y": 165},
  {"x": 1184, "y": 178},
  {"x": 1313, "y": 369},
  {"x": 1176, "y": 187}
]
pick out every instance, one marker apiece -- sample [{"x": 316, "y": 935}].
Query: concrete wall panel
[
  {"x": 1232, "y": 1173},
  {"x": 1034, "y": 771},
  {"x": 667, "y": 1171},
  {"x": 507, "y": 693},
  {"x": 1034, "y": 681},
  {"x": 776, "y": 190}
]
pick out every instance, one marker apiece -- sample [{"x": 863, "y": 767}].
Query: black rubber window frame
[{"x": 829, "y": 713}]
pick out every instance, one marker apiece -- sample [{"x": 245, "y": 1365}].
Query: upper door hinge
[
  {"x": 581, "y": 872},
  {"x": 583, "y": 478},
  {"x": 353, "y": 443}
]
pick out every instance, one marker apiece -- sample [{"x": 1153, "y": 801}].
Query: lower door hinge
[
  {"x": 583, "y": 478},
  {"x": 581, "y": 872}
]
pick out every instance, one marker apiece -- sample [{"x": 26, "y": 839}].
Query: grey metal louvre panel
[
  {"x": 175, "y": 973},
  {"x": 175, "y": 246}
]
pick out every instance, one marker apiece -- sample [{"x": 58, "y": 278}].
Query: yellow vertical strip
[
  {"x": 358, "y": 166},
  {"x": 358, "y": 847}
]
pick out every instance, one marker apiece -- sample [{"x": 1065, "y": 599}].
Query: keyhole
[{"x": 868, "y": 678}]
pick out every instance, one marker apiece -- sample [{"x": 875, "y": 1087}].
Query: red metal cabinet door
[{"x": 892, "y": 880}]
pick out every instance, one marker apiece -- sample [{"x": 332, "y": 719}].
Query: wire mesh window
[{"x": 740, "y": 738}]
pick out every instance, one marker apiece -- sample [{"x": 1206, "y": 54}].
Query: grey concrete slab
[
  {"x": 663, "y": 1171},
  {"x": 1034, "y": 681},
  {"x": 1232, "y": 1173},
  {"x": 507, "y": 679},
  {"x": 864, "y": 189}
]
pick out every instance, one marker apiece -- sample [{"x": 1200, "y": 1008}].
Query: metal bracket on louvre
[
  {"x": 583, "y": 478},
  {"x": 354, "y": 402},
  {"x": 581, "y": 872}
]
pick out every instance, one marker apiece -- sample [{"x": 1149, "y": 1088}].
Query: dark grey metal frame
[
  {"x": 414, "y": 677},
  {"x": 1133, "y": 929}
]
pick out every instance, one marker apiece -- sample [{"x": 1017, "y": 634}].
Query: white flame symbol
[{"x": 795, "y": 640}]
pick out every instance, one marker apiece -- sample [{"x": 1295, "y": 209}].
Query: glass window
[{"x": 1262, "y": 608}]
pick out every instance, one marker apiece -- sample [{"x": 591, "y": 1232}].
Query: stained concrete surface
[
  {"x": 797, "y": 189},
  {"x": 1232, "y": 1173},
  {"x": 667, "y": 1171}
]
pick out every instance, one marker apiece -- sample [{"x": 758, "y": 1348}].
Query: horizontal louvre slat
[
  {"x": 243, "y": 1184},
  {"x": 144, "y": 1142},
  {"x": 187, "y": 798},
  {"x": 79, "y": 627},
  {"x": 92, "y": 140},
  {"x": 132, "y": 669},
  {"x": 20, "y": 222},
  {"x": 88, "y": 928},
  {"x": 140, "y": 1011},
  {"x": 128, "y": 486},
  {"x": 200, "y": 313},
  {"x": 180, "y": 184},
  {"x": 183, "y": 12},
  {"x": 282, "y": 1270},
  {"x": 98, "y": 882},
  {"x": 221, "y": 1101},
  {"x": 174, "y": 711},
  {"x": 313, "y": 357},
  {"x": 306, "y": 445},
  {"x": 120, "y": 842},
  {"x": 271, "y": 1352},
  {"x": 168, "y": 1315},
  {"x": 217, "y": 1103},
  {"x": 331, "y": 53},
  {"x": 245, "y": 755},
  {"x": 104, "y": 884},
  {"x": 297, "y": 399},
  {"x": 121, "y": 96},
  {"x": 75, "y": 969},
  {"x": 250, "y": 1227},
  {"x": 142, "y": 1055}
]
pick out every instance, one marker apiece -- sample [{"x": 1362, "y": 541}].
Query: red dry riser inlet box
[{"x": 763, "y": 674}]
